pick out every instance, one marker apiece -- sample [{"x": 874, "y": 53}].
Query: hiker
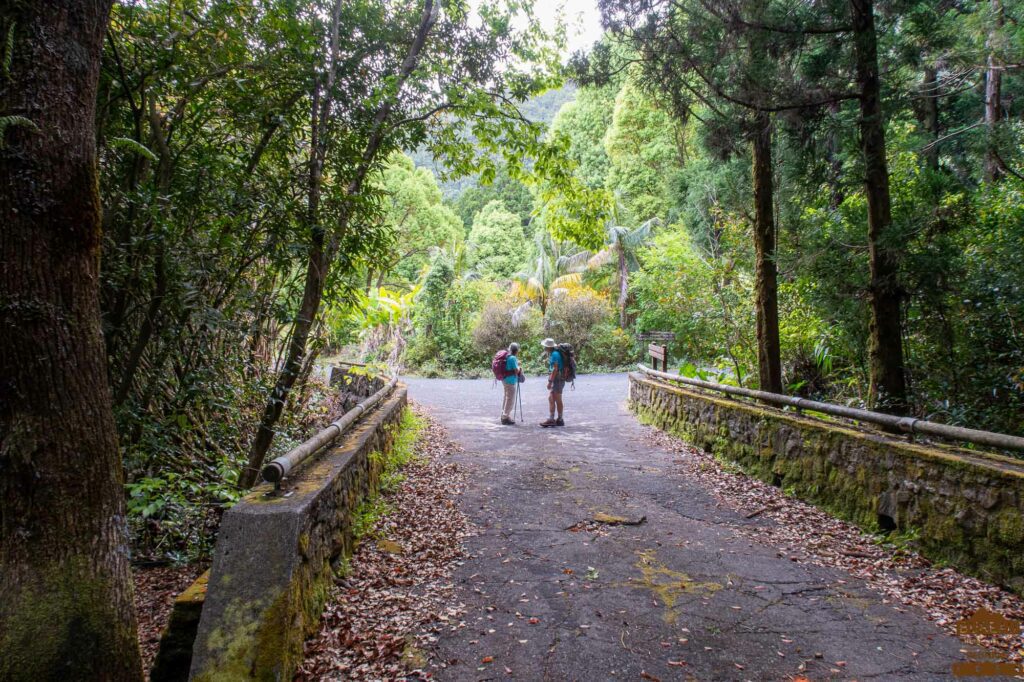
[
  {"x": 511, "y": 375},
  {"x": 556, "y": 382}
]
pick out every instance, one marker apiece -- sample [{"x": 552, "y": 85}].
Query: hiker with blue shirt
[
  {"x": 510, "y": 382},
  {"x": 556, "y": 382}
]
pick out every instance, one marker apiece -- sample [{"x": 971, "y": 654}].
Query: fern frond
[
  {"x": 9, "y": 51},
  {"x": 14, "y": 122},
  {"x": 132, "y": 146}
]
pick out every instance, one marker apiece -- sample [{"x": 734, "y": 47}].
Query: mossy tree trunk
[
  {"x": 66, "y": 611},
  {"x": 888, "y": 388},
  {"x": 766, "y": 286}
]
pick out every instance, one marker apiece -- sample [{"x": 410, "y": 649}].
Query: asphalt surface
[{"x": 552, "y": 595}]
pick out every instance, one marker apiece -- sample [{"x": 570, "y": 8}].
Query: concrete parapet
[{"x": 275, "y": 557}]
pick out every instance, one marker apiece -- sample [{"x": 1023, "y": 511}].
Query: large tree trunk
[
  {"x": 993, "y": 96},
  {"x": 67, "y": 610},
  {"x": 888, "y": 384},
  {"x": 766, "y": 288}
]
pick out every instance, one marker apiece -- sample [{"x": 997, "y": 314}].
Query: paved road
[{"x": 549, "y": 603}]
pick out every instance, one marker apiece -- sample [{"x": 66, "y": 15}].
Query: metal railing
[
  {"x": 283, "y": 465},
  {"x": 892, "y": 422}
]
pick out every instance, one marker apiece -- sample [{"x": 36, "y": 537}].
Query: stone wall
[
  {"x": 276, "y": 556},
  {"x": 966, "y": 507}
]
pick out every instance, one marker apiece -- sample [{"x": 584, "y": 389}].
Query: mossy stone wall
[
  {"x": 275, "y": 556},
  {"x": 966, "y": 507}
]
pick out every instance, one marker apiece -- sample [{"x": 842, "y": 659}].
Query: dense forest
[{"x": 823, "y": 199}]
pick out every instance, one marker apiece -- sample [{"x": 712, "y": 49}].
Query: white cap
[{"x": 548, "y": 343}]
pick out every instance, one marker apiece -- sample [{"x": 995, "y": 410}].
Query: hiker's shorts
[{"x": 557, "y": 385}]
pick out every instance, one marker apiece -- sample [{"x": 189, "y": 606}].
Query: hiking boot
[
  {"x": 549, "y": 422},
  {"x": 559, "y": 422},
  {"x": 505, "y": 421}
]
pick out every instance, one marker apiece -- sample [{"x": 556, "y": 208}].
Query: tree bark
[
  {"x": 887, "y": 391},
  {"x": 993, "y": 97},
  {"x": 67, "y": 609},
  {"x": 766, "y": 288}
]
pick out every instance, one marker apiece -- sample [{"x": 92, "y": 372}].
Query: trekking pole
[{"x": 519, "y": 399}]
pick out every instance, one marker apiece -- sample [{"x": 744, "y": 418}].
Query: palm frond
[
  {"x": 9, "y": 50},
  {"x": 573, "y": 263},
  {"x": 132, "y": 146},
  {"x": 520, "y": 311},
  {"x": 600, "y": 259},
  {"x": 616, "y": 233},
  {"x": 574, "y": 279},
  {"x": 528, "y": 288},
  {"x": 634, "y": 238}
]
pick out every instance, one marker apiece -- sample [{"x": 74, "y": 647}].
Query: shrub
[
  {"x": 503, "y": 321},
  {"x": 610, "y": 348},
  {"x": 574, "y": 316}
]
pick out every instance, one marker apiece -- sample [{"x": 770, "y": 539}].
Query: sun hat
[{"x": 548, "y": 343}]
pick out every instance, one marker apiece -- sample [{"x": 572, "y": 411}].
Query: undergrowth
[{"x": 403, "y": 451}]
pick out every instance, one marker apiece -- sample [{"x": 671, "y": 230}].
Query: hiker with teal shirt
[
  {"x": 556, "y": 382},
  {"x": 511, "y": 376}
]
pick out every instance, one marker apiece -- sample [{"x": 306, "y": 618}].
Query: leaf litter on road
[
  {"x": 804, "y": 532},
  {"x": 383, "y": 617}
]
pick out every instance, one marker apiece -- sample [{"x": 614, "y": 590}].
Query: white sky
[{"x": 582, "y": 17}]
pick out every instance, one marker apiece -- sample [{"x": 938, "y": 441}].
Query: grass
[{"x": 403, "y": 451}]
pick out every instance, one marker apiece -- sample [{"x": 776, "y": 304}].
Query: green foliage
[
  {"x": 444, "y": 316},
  {"x": 643, "y": 153},
  {"x": 402, "y": 452},
  {"x": 176, "y": 512},
  {"x": 584, "y": 122},
  {"x": 505, "y": 320},
  {"x": 415, "y": 217},
  {"x": 610, "y": 348},
  {"x": 497, "y": 239},
  {"x": 513, "y": 195},
  {"x": 702, "y": 298}
]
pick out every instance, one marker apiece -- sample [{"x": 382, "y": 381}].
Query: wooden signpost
[{"x": 658, "y": 351}]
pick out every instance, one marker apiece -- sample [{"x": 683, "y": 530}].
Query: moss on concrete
[
  {"x": 174, "y": 657},
  {"x": 257, "y": 633}
]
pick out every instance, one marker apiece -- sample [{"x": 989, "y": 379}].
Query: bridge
[{"x": 608, "y": 549}]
